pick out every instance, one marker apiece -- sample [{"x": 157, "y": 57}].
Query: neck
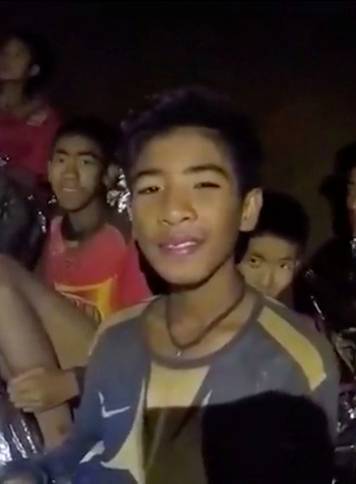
[
  {"x": 85, "y": 221},
  {"x": 208, "y": 299},
  {"x": 12, "y": 95}
]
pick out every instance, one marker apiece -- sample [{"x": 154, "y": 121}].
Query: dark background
[{"x": 291, "y": 65}]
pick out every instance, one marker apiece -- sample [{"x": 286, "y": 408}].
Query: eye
[
  {"x": 88, "y": 161},
  {"x": 148, "y": 190},
  {"x": 59, "y": 159},
  {"x": 286, "y": 266},
  {"x": 207, "y": 184},
  {"x": 254, "y": 262}
]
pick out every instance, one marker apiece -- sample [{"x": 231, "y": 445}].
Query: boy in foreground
[{"x": 193, "y": 167}]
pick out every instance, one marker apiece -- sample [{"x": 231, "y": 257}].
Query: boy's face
[
  {"x": 269, "y": 264},
  {"x": 76, "y": 171},
  {"x": 15, "y": 61},
  {"x": 186, "y": 205}
]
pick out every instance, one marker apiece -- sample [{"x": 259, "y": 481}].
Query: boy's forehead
[
  {"x": 77, "y": 143},
  {"x": 182, "y": 146},
  {"x": 273, "y": 245}
]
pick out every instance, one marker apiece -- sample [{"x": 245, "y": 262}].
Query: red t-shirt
[
  {"x": 27, "y": 142},
  {"x": 100, "y": 275}
]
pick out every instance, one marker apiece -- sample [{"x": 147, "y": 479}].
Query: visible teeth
[{"x": 183, "y": 245}]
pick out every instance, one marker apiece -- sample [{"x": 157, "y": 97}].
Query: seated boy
[
  {"x": 193, "y": 168},
  {"x": 273, "y": 251},
  {"x": 89, "y": 258}
]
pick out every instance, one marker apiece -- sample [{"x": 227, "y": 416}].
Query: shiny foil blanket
[{"x": 19, "y": 433}]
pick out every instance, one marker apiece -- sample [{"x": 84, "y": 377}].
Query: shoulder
[
  {"x": 120, "y": 322},
  {"x": 55, "y": 229},
  {"x": 296, "y": 336},
  {"x": 117, "y": 228},
  {"x": 120, "y": 223},
  {"x": 120, "y": 350},
  {"x": 42, "y": 114},
  {"x": 56, "y": 223}
]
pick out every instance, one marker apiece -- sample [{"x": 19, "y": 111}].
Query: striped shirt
[{"x": 126, "y": 433}]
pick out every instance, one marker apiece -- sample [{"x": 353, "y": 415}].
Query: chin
[
  {"x": 182, "y": 277},
  {"x": 71, "y": 205}
]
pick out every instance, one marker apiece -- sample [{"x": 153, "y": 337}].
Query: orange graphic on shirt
[{"x": 95, "y": 300}]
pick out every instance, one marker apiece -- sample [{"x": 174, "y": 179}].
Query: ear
[
  {"x": 251, "y": 208},
  {"x": 34, "y": 70},
  {"x": 110, "y": 175}
]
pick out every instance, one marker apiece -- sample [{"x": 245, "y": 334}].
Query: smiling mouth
[
  {"x": 70, "y": 189},
  {"x": 181, "y": 248}
]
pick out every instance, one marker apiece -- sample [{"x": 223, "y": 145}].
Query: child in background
[
  {"x": 272, "y": 253},
  {"x": 90, "y": 258},
  {"x": 27, "y": 122}
]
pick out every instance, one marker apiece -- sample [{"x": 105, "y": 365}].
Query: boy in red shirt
[
  {"x": 90, "y": 258},
  {"x": 27, "y": 122}
]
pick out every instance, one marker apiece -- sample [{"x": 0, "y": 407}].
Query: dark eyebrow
[
  {"x": 60, "y": 152},
  {"x": 81, "y": 153},
  {"x": 257, "y": 255},
  {"x": 191, "y": 169},
  {"x": 208, "y": 167},
  {"x": 89, "y": 153}
]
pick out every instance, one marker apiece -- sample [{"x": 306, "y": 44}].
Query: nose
[
  {"x": 70, "y": 170},
  {"x": 267, "y": 280},
  {"x": 176, "y": 208}
]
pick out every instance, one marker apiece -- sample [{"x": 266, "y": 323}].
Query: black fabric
[
  {"x": 330, "y": 277},
  {"x": 21, "y": 226}
]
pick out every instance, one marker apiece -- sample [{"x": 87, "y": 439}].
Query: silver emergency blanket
[
  {"x": 19, "y": 433},
  {"x": 118, "y": 196}
]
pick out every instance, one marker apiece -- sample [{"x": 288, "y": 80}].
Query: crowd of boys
[{"x": 215, "y": 377}]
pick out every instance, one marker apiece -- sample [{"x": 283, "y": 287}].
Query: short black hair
[
  {"x": 93, "y": 128},
  {"x": 41, "y": 55},
  {"x": 283, "y": 216},
  {"x": 272, "y": 437},
  {"x": 200, "y": 107}
]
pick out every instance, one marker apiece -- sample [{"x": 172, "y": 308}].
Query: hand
[{"x": 41, "y": 389}]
